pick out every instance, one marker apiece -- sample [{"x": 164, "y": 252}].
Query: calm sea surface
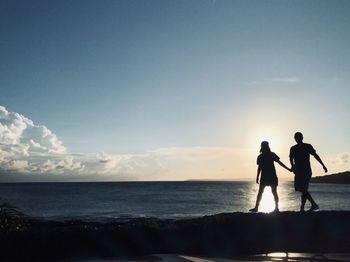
[{"x": 113, "y": 200}]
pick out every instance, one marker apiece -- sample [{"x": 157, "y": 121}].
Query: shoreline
[{"x": 223, "y": 235}]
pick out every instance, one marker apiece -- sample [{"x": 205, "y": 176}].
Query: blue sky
[{"x": 124, "y": 78}]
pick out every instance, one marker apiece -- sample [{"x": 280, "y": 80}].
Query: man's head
[{"x": 298, "y": 137}]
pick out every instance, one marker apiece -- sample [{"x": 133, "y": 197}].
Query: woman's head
[{"x": 265, "y": 148}]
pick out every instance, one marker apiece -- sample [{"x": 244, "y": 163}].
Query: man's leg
[
  {"x": 314, "y": 206},
  {"x": 303, "y": 200},
  {"x": 308, "y": 196}
]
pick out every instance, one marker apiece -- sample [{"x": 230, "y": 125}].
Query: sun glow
[
  {"x": 270, "y": 135},
  {"x": 267, "y": 203},
  {"x": 267, "y": 124}
]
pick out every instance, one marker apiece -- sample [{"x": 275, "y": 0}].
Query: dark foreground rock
[{"x": 222, "y": 235}]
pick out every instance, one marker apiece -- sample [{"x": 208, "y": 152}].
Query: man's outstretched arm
[{"x": 317, "y": 157}]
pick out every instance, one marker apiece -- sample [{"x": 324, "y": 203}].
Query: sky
[{"x": 169, "y": 90}]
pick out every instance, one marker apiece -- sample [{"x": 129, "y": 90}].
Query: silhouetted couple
[{"x": 299, "y": 157}]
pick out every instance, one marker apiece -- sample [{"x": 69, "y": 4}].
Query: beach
[{"x": 225, "y": 236}]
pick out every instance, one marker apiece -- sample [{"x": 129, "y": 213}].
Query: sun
[
  {"x": 267, "y": 124},
  {"x": 269, "y": 134}
]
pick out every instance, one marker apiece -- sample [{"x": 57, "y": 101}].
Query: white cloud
[
  {"x": 286, "y": 80},
  {"x": 16, "y": 164},
  {"x": 340, "y": 159},
  {"x": 33, "y": 152},
  {"x": 19, "y": 131},
  {"x": 27, "y": 147},
  {"x": 335, "y": 163},
  {"x": 196, "y": 153},
  {"x": 290, "y": 80},
  {"x": 345, "y": 157},
  {"x": 171, "y": 163}
]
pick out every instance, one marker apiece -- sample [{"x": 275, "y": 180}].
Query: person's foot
[
  {"x": 302, "y": 209},
  {"x": 314, "y": 207},
  {"x": 255, "y": 209}
]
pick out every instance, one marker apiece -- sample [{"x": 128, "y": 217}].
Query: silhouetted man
[{"x": 299, "y": 157}]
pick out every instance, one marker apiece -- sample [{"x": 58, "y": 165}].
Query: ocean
[{"x": 108, "y": 201}]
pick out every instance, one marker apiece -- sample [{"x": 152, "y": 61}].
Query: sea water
[{"x": 105, "y": 201}]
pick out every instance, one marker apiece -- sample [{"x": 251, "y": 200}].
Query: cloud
[
  {"x": 26, "y": 147},
  {"x": 286, "y": 80},
  {"x": 290, "y": 80},
  {"x": 345, "y": 158},
  {"x": 195, "y": 153},
  {"x": 337, "y": 162},
  {"x": 170, "y": 163},
  {"x": 32, "y": 152},
  {"x": 340, "y": 159},
  {"x": 18, "y": 131}
]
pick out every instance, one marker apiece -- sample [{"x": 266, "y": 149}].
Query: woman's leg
[
  {"x": 275, "y": 196},
  {"x": 259, "y": 196}
]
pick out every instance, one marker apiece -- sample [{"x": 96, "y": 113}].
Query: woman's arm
[
  {"x": 283, "y": 165},
  {"x": 258, "y": 173}
]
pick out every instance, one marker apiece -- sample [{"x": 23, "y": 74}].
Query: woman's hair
[{"x": 265, "y": 148}]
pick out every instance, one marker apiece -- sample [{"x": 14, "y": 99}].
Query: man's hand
[
  {"x": 257, "y": 180},
  {"x": 325, "y": 169}
]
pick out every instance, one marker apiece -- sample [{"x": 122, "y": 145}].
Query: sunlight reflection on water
[
  {"x": 286, "y": 195},
  {"x": 267, "y": 203}
]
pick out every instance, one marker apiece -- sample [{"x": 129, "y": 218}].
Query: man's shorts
[
  {"x": 302, "y": 178},
  {"x": 301, "y": 183}
]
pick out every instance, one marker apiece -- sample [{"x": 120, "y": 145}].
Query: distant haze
[{"x": 170, "y": 90}]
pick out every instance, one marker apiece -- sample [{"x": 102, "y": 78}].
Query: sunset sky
[{"x": 170, "y": 90}]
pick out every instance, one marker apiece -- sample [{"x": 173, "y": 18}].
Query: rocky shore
[{"x": 222, "y": 235}]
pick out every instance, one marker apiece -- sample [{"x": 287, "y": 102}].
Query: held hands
[
  {"x": 292, "y": 169},
  {"x": 289, "y": 169},
  {"x": 284, "y": 166}
]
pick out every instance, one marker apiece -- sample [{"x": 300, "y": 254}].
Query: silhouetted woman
[{"x": 268, "y": 177}]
